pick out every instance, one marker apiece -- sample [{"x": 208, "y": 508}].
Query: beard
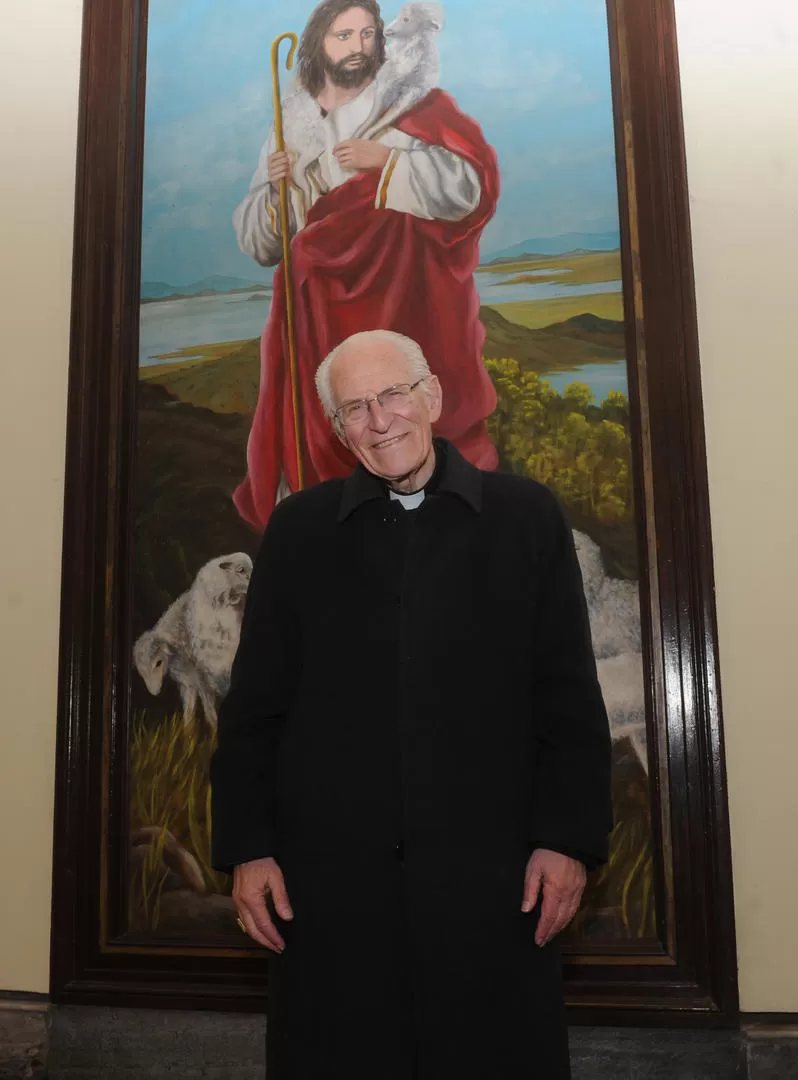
[{"x": 346, "y": 74}]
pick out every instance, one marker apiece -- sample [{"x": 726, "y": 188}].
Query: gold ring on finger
[{"x": 241, "y": 924}]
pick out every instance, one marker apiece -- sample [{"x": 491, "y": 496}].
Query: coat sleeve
[
  {"x": 251, "y": 719},
  {"x": 571, "y": 805}
]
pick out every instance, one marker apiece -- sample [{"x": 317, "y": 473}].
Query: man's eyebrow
[{"x": 350, "y": 30}]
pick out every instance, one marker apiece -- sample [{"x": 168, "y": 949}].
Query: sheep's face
[
  {"x": 151, "y": 657},
  {"x": 226, "y": 579},
  {"x": 416, "y": 19}
]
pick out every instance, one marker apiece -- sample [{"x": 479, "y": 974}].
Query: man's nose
[{"x": 379, "y": 419}]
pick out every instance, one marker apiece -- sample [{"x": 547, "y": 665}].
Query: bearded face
[
  {"x": 341, "y": 44},
  {"x": 351, "y": 72}
]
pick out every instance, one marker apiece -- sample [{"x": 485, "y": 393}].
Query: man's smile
[{"x": 389, "y": 442}]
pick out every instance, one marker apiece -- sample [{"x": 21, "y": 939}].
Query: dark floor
[{"x": 139, "y": 1044}]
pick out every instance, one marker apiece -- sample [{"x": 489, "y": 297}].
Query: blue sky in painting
[{"x": 535, "y": 73}]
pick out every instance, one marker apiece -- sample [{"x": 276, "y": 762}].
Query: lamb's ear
[
  {"x": 436, "y": 16},
  {"x": 151, "y": 657}
]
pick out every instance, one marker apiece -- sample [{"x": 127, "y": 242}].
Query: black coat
[{"x": 414, "y": 707}]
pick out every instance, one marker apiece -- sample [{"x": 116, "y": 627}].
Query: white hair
[{"x": 411, "y": 350}]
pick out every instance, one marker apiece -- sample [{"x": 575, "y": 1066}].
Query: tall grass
[{"x": 170, "y": 792}]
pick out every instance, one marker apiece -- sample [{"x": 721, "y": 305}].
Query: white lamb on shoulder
[
  {"x": 196, "y": 638},
  {"x": 412, "y": 54}
]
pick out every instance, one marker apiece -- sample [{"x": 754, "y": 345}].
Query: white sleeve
[
  {"x": 428, "y": 182},
  {"x": 257, "y": 218}
]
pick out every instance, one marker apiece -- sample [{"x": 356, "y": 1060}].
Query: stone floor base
[{"x": 38, "y": 1042}]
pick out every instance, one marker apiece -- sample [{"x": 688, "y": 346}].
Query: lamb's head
[
  {"x": 413, "y": 19},
  {"x": 225, "y": 580},
  {"x": 151, "y": 657}
]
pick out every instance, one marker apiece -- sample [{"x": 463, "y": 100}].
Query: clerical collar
[
  {"x": 409, "y": 502},
  {"x": 453, "y": 475}
]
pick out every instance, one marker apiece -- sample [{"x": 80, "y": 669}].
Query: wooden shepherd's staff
[{"x": 285, "y": 223}]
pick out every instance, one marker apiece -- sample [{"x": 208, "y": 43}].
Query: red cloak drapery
[{"x": 356, "y": 267}]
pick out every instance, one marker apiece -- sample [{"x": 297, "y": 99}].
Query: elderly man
[{"x": 413, "y": 763}]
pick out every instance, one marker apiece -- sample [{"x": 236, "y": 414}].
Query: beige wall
[
  {"x": 741, "y": 99},
  {"x": 39, "y": 46},
  {"x": 740, "y": 90}
]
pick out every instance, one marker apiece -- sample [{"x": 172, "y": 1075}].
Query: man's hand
[
  {"x": 279, "y": 166},
  {"x": 563, "y": 881},
  {"x": 251, "y": 883},
  {"x": 361, "y": 155}
]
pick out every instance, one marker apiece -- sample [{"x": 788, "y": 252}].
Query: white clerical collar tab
[{"x": 409, "y": 502}]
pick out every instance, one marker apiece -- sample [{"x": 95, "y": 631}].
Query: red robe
[{"x": 356, "y": 267}]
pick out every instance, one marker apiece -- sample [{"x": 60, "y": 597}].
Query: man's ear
[
  {"x": 434, "y": 398},
  {"x": 339, "y": 431}
]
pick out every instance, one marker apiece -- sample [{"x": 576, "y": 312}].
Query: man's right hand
[
  {"x": 252, "y": 881},
  {"x": 279, "y": 166}
]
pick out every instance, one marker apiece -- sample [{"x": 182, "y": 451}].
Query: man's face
[
  {"x": 392, "y": 444},
  {"x": 350, "y": 48}
]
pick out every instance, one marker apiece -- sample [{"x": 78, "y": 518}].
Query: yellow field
[
  {"x": 537, "y": 314},
  {"x": 587, "y": 269},
  {"x": 201, "y": 355}
]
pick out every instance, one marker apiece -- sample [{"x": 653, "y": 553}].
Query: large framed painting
[{"x": 506, "y": 185}]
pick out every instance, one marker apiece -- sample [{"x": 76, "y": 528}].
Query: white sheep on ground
[
  {"x": 613, "y": 604},
  {"x": 412, "y": 55},
  {"x": 623, "y": 690},
  {"x": 196, "y": 638}
]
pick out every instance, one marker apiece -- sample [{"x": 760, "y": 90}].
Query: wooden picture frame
[{"x": 691, "y": 976}]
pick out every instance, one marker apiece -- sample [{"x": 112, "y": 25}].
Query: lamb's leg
[
  {"x": 638, "y": 740},
  {"x": 188, "y": 695},
  {"x": 208, "y": 700}
]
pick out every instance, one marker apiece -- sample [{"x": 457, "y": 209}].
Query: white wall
[
  {"x": 740, "y": 81},
  {"x": 739, "y": 64},
  {"x": 39, "y": 60}
]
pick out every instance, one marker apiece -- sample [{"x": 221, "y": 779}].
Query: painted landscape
[{"x": 195, "y": 408}]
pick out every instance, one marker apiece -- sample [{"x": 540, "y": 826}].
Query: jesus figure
[{"x": 390, "y": 186}]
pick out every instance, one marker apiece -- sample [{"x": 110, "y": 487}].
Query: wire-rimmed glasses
[{"x": 392, "y": 399}]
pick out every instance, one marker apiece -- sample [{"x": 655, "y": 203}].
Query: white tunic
[{"x": 420, "y": 179}]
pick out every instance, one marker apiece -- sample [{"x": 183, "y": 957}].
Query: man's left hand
[
  {"x": 563, "y": 882},
  {"x": 361, "y": 155}
]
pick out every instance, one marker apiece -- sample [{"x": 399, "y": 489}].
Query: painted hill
[
  {"x": 584, "y": 339},
  {"x": 558, "y": 245},
  {"x": 208, "y": 286},
  {"x": 225, "y": 378}
]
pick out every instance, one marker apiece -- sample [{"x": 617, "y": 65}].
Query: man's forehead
[
  {"x": 359, "y": 365},
  {"x": 354, "y": 18}
]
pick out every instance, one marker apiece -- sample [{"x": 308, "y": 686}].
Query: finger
[
  {"x": 548, "y": 915},
  {"x": 252, "y": 930},
  {"x": 280, "y": 896},
  {"x": 531, "y": 889},
  {"x": 257, "y": 915},
  {"x": 566, "y": 913}
]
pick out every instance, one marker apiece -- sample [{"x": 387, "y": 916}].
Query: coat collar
[{"x": 453, "y": 474}]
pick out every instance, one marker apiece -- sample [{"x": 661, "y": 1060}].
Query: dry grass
[{"x": 169, "y": 791}]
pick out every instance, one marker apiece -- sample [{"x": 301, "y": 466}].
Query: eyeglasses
[{"x": 393, "y": 398}]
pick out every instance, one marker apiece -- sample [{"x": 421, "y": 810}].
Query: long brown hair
[{"x": 310, "y": 58}]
